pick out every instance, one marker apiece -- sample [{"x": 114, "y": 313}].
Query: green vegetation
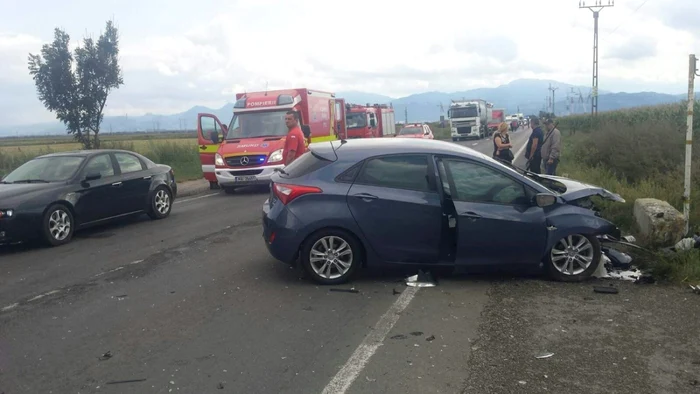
[
  {"x": 637, "y": 153},
  {"x": 180, "y": 153}
]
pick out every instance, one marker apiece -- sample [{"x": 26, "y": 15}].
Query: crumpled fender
[{"x": 569, "y": 220}]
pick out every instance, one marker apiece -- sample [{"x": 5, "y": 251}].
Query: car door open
[{"x": 497, "y": 223}]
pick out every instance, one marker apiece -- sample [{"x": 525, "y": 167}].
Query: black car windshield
[
  {"x": 45, "y": 169},
  {"x": 464, "y": 112},
  {"x": 356, "y": 120},
  {"x": 257, "y": 124},
  {"x": 411, "y": 130}
]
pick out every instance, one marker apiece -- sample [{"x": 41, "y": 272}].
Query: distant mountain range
[{"x": 524, "y": 95}]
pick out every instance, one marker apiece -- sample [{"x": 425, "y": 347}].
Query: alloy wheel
[
  {"x": 162, "y": 201},
  {"x": 331, "y": 257},
  {"x": 572, "y": 255},
  {"x": 59, "y": 225}
]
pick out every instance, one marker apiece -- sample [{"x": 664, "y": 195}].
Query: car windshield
[
  {"x": 411, "y": 130},
  {"x": 356, "y": 120},
  {"x": 465, "y": 112},
  {"x": 257, "y": 124},
  {"x": 45, "y": 169}
]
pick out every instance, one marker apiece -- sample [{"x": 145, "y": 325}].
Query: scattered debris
[
  {"x": 220, "y": 386},
  {"x": 370, "y": 380},
  {"x": 430, "y": 338},
  {"x": 121, "y": 296},
  {"x": 126, "y": 381},
  {"x": 544, "y": 355},
  {"x": 645, "y": 279},
  {"x": 423, "y": 279},
  {"x": 416, "y": 333},
  {"x": 346, "y": 290},
  {"x": 399, "y": 336},
  {"x": 394, "y": 292},
  {"x": 106, "y": 356},
  {"x": 605, "y": 290},
  {"x": 688, "y": 243},
  {"x": 696, "y": 290}
]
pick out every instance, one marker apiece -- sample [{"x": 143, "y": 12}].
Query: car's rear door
[
  {"x": 136, "y": 182},
  {"x": 98, "y": 198},
  {"x": 396, "y": 205},
  {"x": 496, "y": 221}
]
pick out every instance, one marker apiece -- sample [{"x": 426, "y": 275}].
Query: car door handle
[
  {"x": 148, "y": 177},
  {"x": 117, "y": 184},
  {"x": 366, "y": 196},
  {"x": 471, "y": 215}
]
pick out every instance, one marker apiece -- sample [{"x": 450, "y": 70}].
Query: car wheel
[
  {"x": 574, "y": 258},
  {"x": 161, "y": 203},
  {"x": 58, "y": 225},
  {"x": 229, "y": 190},
  {"x": 331, "y": 257}
]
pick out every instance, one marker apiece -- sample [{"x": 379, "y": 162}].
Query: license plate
[{"x": 249, "y": 178}]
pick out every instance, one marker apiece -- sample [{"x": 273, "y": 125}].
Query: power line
[
  {"x": 595, "y": 8},
  {"x": 626, "y": 20}
]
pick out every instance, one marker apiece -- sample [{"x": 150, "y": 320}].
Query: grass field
[
  {"x": 178, "y": 150},
  {"x": 637, "y": 153}
]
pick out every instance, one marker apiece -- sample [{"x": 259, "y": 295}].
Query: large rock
[{"x": 659, "y": 223}]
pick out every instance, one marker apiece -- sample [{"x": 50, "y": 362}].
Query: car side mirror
[
  {"x": 91, "y": 176},
  {"x": 426, "y": 133},
  {"x": 545, "y": 200},
  {"x": 214, "y": 137}
]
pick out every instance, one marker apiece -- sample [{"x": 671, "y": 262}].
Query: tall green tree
[{"x": 76, "y": 86}]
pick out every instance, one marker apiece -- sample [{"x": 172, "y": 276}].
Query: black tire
[
  {"x": 53, "y": 235},
  {"x": 213, "y": 185},
  {"x": 229, "y": 189},
  {"x": 339, "y": 238},
  {"x": 556, "y": 274},
  {"x": 160, "y": 203}
]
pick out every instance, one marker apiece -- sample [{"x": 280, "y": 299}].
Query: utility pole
[
  {"x": 595, "y": 8},
  {"x": 692, "y": 72},
  {"x": 551, "y": 89},
  {"x": 405, "y": 113}
]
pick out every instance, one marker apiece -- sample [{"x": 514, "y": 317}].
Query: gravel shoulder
[{"x": 646, "y": 339}]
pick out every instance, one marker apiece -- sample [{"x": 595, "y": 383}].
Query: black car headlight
[{"x": 6, "y": 213}]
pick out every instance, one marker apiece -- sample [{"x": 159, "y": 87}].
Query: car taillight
[{"x": 287, "y": 193}]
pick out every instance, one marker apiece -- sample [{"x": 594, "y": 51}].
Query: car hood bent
[{"x": 571, "y": 190}]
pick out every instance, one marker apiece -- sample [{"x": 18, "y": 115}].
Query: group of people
[{"x": 543, "y": 149}]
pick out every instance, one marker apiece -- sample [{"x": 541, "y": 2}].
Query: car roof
[
  {"x": 362, "y": 148},
  {"x": 87, "y": 153}
]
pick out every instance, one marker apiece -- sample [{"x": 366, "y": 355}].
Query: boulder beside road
[{"x": 659, "y": 223}]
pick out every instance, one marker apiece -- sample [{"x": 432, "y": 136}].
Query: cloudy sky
[{"x": 176, "y": 54}]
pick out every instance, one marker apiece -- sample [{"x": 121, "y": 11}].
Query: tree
[{"x": 76, "y": 86}]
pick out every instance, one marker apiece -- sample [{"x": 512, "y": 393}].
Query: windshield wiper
[{"x": 32, "y": 181}]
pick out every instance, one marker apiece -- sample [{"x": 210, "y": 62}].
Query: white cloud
[{"x": 176, "y": 54}]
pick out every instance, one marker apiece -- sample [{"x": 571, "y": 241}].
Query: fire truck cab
[
  {"x": 249, "y": 150},
  {"x": 369, "y": 121}
]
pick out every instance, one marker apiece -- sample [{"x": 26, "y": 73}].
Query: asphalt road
[{"x": 195, "y": 304}]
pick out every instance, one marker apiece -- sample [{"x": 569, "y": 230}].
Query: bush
[{"x": 637, "y": 153}]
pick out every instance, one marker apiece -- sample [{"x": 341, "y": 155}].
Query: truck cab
[
  {"x": 249, "y": 149},
  {"x": 369, "y": 121},
  {"x": 469, "y": 119}
]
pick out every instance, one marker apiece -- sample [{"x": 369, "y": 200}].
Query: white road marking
[
  {"x": 357, "y": 362},
  {"x": 7, "y": 308},
  {"x": 519, "y": 152},
  {"x": 475, "y": 144},
  {"x": 195, "y": 198}
]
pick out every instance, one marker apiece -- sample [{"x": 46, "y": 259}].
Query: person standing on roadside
[
  {"x": 502, "y": 145},
  {"x": 532, "y": 150},
  {"x": 295, "y": 144},
  {"x": 551, "y": 148}
]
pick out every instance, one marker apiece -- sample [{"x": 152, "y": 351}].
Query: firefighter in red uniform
[{"x": 295, "y": 145}]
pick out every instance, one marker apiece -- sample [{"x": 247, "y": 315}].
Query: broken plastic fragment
[
  {"x": 544, "y": 355},
  {"x": 423, "y": 279}
]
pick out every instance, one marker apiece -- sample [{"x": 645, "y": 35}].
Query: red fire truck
[
  {"x": 369, "y": 121},
  {"x": 249, "y": 150}
]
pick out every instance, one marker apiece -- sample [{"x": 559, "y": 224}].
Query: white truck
[{"x": 469, "y": 118}]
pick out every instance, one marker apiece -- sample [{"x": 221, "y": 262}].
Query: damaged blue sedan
[{"x": 350, "y": 204}]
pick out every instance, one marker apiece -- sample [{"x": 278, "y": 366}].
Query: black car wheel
[
  {"x": 58, "y": 225},
  {"x": 161, "y": 203},
  {"x": 331, "y": 256},
  {"x": 573, "y": 258}
]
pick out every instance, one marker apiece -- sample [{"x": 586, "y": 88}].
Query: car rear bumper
[
  {"x": 281, "y": 233},
  {"x": 229, "y": 177}
]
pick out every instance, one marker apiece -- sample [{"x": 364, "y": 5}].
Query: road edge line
[{"x": 360, "y": 357}]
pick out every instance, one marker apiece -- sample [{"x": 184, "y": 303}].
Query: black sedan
[{"x": 51, "y": 196}]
